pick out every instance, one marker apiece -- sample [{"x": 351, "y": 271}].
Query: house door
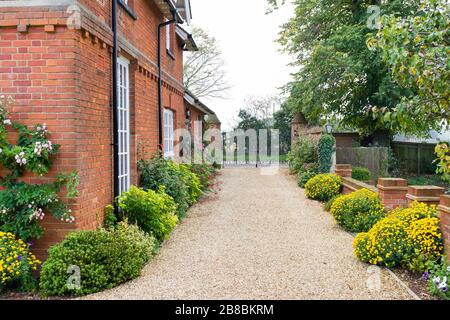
[
  {"x": 123, "y": 66},
  {"x": 168, "y": 134}
]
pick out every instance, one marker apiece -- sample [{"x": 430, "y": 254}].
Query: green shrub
[
  {"x": 326, "y": 148},
  {"x": 153, "y": 212},
  {"x": 304, "y": 177},
  {"x": 358, "y": 211},
  {"x": 179, "y": 183},
  {"x": 327, "y": 205},
  {"x": 191, "y": 180},
  {"x": 205, "y": 173},
  {"x": 110, "y": 218},
  {"x": 104, "y": 259},
  {"x": 323, "y": 187},
  {"x": 361, "y": 174},
  {"x": 304, "y": 151}
]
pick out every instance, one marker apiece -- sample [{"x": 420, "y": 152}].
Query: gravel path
[{"x": 258, "y": 238}]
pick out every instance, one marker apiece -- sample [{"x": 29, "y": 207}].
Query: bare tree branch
[{"x": 204, "y": 73}]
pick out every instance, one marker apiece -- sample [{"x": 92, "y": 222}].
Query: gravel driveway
[{"x": 258, "y": 238}]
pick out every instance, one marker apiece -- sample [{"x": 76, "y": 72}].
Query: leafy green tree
[
  {"x": 416, "y": 49},
  {"x": 339, "y": 77},
  {"x": 249, "y": 121},
  {"x": 283, "y": 122}
]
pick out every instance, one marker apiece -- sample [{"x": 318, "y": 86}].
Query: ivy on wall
[
  {"x": 326, "y": 149},
  {"x": 23, "y": 205}
]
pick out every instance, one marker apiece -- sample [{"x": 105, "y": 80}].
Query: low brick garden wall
[{"x": 395, "y": 192}]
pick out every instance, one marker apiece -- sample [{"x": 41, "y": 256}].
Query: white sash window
[
  {"x": 168, "y": 133},
  {"x": 123, "y": 84}
]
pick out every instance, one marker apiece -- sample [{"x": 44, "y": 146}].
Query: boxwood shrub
[
  {"x": 323, "y": 187},
  {"x": 154, "y": 212},
  {"x": 104, "y": 259},
  {"x": 178, "y": 181},
  {"x": 304, "y": 177},
  {"x": 361, "y": 174},
  {"x": 358, "y": 211}
]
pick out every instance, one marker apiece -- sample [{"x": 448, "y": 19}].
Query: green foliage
[
  {"x": 191, "y": 180},
  {"x": 33, "y": 150},
  {"x": 23, "y": 205},
  {"x": 323, "y": 187},
  {"x": 327, "y": 205},
  {"x": 249, "y": 121},
  {"x": 206, "y": 174},
  {"x": 304, "y": 154},
  {"x": 416, "y": 49},
  {"x": 154, "y": 212},
  {"x": 110, "y": 219},
  {"x": 393, "y": 165},
  {"x": 178, "y": 181},
  {"x": 406, "y": 237},
  {"x": 304, "y": 177},
  {"x": 358, "y": 211},
  {"x": 326, "y": 148},
  {"x": 438, "y": 276},
  {"x": 361, "y": 174},
  {"x": 104, "y": 259},
  {"x": 339, "y": 78},
  {"x": 283, "y": 122},
  {"x": 443, "y": 161}
]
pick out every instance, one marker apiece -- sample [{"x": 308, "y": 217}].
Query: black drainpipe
[
  {"x": 160, "y": 107},
  {"x": 115, "y": 100}
]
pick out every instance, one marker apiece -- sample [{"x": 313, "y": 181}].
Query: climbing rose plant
[{"x": 23, "y": 205}]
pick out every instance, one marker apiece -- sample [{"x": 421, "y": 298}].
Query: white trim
[
  {"x": 35, "y": 3},
  {"x": 123, "y": 83},
  {"x": 168, "y": 133},
  {"x": 169, "y": 37}
]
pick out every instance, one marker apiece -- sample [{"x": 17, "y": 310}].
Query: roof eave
[{"x": 167, "y": 7}]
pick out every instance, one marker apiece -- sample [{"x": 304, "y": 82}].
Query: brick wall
[
  {"x": 444, "y": 214},
  {"x": 62, "y": 77},
  {"x": 395, "y": 192}
]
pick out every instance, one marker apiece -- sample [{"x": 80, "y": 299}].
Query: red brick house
[
  {"x": 198, "y": 116},
  {"x": 57, "y": 62}
]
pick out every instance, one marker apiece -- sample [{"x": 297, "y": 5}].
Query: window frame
[
  {"x": 123, "y": 125},
  {"x": 169, "y": 123}
]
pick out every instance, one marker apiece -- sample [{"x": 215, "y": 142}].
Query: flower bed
[
  {"x": 408, "y": 238},
  {"x": 323, "y": 187},
  {"x": 16, "y": 264},
  {"x": 107, "y": 257}
]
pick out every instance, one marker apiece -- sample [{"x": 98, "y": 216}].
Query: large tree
[
  {"x": 416, "y": 49},
  {"x": 339, "y": 77},
  {"x": 204, "y": 73}
]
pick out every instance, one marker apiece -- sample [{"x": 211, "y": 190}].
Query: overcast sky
[{"x": 246, "y": 36}]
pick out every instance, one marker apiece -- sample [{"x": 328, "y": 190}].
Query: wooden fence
[
  {"x": 374, "y": 158},
  {"x": 415, "y": 158}
]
